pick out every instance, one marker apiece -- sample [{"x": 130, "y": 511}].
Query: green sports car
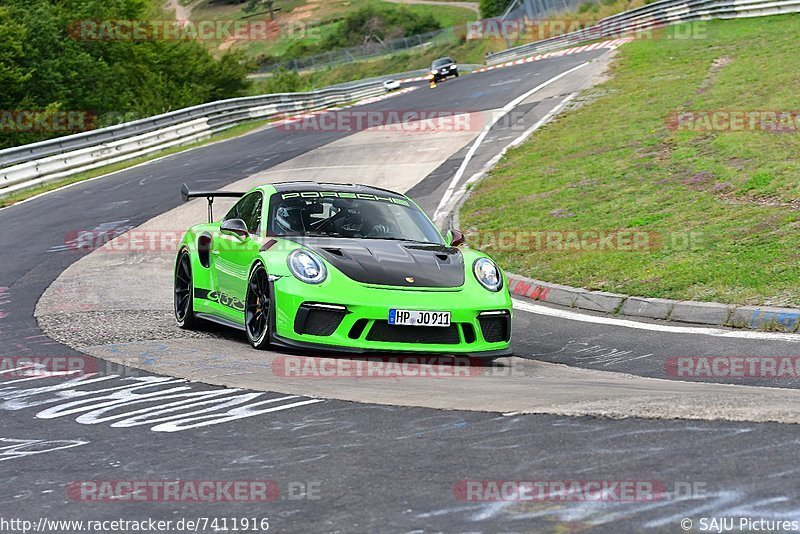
[{"x": 340, "y": 267}]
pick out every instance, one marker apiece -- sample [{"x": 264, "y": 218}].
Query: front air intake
[
  {"x": 318, "y": 319},
  {"x": 495, "y": 326},
  {"x": 434, "y": 335}
]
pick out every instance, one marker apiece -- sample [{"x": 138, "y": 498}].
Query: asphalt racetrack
[{"x": 585, "y": 398}]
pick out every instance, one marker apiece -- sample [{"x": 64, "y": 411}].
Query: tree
[
  {"x": 46, "y": 63},
  {"x": 254, "y": 5},
  {"x": 13, "y": 75},
  {"x": 493, "y": 8}
]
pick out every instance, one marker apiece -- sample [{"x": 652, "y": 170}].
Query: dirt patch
[
  {"x": 738, "y": 163},
  {"x": 301, "y": 13},
  {"x": 586, "y": 183},
  {"x": 698, "y": 180},
  {"x": 723, "y": 187},
  {"x": 716, "y": 66},
  {"x": 769, "y": 202},
  {"x": 537, "y": 196},
  {"x": 561, "y": 214},
  {"x": 182, "y": 13}
]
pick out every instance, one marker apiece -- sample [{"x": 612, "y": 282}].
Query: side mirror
[
  {"x": 235, "y": 227},
  {"x": 458, "y": 239}
]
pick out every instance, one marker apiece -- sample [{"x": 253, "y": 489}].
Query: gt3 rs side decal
[{"x": 221, "y": 298}]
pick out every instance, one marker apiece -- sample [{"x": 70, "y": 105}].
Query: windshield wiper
[{"x": 321, "y": 234}]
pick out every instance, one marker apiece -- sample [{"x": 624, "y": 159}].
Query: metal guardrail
[
  {"x": 34, "y": 164},
  {"x": 652, "y": 16}
]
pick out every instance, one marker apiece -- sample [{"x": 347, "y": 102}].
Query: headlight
[
  {"x": 307, "y": 267},
  {"x": 433, "y": 71},
  {"x": 487, "y": 274},
  {"x": 453, "y": 66}
]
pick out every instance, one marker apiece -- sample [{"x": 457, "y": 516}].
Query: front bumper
[
  {"x": 441, "y": 76},
  {"x": 353, "y": 318}
]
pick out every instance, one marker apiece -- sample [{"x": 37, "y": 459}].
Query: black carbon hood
[{"x": 388, "y": 262}]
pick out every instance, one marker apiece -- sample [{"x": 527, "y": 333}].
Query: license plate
[{"x": 419, "y": 318}]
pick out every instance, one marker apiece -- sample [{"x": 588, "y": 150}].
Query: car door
[{"x": 234, "y": 254}]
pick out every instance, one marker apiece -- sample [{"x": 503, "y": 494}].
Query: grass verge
[{"x": 720, "y": 208}]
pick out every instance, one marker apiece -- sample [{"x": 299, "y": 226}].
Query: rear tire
[
  {"x": 183, "y": 289},
  {"x": 257, "y": 309}
]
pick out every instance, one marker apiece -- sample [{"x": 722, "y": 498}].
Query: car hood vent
[
  {"x": 335, "y": 251},
  {"x": 389, "y": 262}
]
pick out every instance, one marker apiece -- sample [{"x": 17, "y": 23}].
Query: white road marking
[
  {"x": 505, "y": 82},
  {"x": 492, "y": 162},
  {"x": 625, "y": 323},
  {"x": 541, "y": 122},
  {"x": 137, "y": 401},
  {"x": 440, "y": 209}
]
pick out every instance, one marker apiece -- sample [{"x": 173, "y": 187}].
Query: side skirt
[{"x": 220, "y": 320}]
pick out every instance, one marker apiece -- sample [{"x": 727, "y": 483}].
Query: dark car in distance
[{"x": 443, "y": 68}]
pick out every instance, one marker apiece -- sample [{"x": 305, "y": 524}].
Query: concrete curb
[{"x": 701, "y": 313}]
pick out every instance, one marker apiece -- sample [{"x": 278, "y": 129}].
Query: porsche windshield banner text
[{"x": 344, "y": 194}]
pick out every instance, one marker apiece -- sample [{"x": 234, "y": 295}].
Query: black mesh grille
[
  {"x": 321, "y": 322},
  {"x": 495, "y": 328},
  {"x": 438, "y": 335}
]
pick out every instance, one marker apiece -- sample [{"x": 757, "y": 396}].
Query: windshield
[
  {"x": 442, "y": 62},
  {"x": 359, "y": 215}
]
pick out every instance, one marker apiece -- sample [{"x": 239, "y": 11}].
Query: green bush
[
  {"x": 46, "y": 65},
  {"x": 368, "y": 25},
  {"x": 377, "y": 24},
  {"x": 492, "y": 8},
  {"x": 283, "y": 81}
]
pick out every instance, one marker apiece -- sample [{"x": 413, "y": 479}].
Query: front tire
[
  {"x": 257, "y": 309},
  {"x": 184, "y": 287}
]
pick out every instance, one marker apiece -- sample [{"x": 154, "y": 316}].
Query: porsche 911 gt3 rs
[{"x": 340, "y": 267}]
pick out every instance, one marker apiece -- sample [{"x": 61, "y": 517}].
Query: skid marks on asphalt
[
  {"x": 162, "y": 403},
  {"x": 604, "y": 450},
  {"x": 590, "y": 354},
  {"x": 14, "y": 448}
]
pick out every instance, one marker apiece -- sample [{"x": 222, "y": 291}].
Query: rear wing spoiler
[{"x": 187, "y": 195}]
